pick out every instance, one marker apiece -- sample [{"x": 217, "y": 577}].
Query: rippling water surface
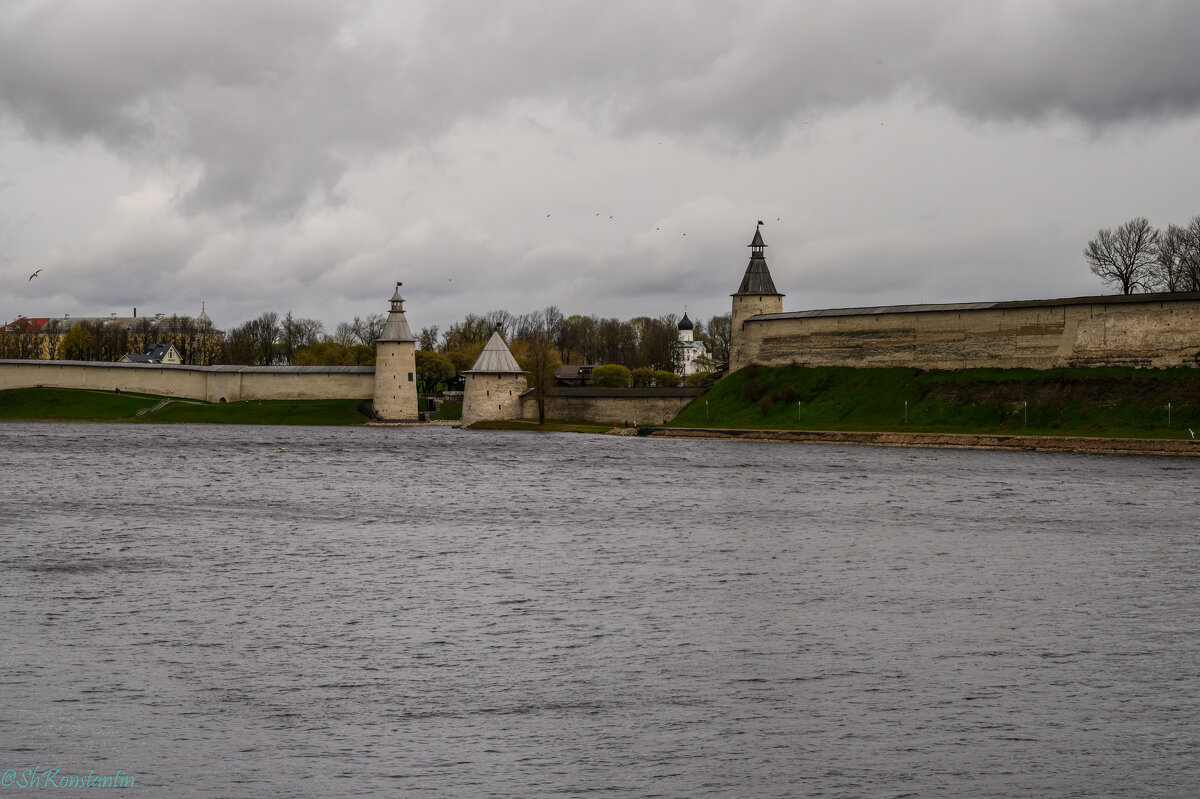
[{"x": 287, "y": 612}]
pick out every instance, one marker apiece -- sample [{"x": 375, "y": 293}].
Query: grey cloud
[{"x": 271, "y": 100}]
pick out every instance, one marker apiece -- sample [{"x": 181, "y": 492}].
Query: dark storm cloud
[{"x": 269, "y": 101}]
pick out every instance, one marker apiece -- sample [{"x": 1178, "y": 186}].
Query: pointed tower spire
[
  {"x": 396, "y": 328},
  {"x": 757, "y": 279},
  {"x": 755, "y": 297},
  {"x": 496, "y": 357}
]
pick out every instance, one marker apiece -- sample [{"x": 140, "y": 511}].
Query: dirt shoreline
[{"x": 1121, "y": 446}]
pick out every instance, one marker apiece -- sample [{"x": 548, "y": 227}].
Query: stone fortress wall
[
  {"x": 209, "y": 383},
  {"x": 633, "y": 406},
  {"x": 1139, "y": 330}
]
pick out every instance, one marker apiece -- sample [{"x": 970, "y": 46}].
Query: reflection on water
[{"x": 396, "y": 611}]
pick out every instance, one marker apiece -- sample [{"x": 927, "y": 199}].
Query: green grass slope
[
  {"x": 282, "y": 412},
  {"x": 1117, "y": 402},
  {"x": 60, "y": 404},
  {"x": 65, "y": 403}
]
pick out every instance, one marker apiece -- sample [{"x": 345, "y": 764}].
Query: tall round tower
[
  {"x": 396, "y": 366},
  {"x": 754, "y": 297}
]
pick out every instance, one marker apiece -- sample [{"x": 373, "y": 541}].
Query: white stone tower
[
  {"x": 396, "y": 366},
  {"x": 493, "y": 385},
  {"x": 754, "y": 297}
]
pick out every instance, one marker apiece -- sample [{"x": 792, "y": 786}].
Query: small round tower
[
  {"x": 494, "y": 385},
  {"x": 396, "y": 366},
  {"x": 755, "y": 296}
]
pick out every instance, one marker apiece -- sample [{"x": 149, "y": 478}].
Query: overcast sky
[{"x": 605, "y": 157}]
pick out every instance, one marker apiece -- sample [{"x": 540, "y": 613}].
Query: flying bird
[
  {"x": 35, "y": 274},
  {"x": 1190, "y": 431}
]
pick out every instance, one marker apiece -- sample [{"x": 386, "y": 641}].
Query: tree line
[
  {"x": 1136, "y": 256},
  {"x": 641, "y": 342},
  {"x": 540, "y": 340}
]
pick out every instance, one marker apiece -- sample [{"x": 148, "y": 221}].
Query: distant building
[
  {"x": 574, "y": 374},
  {"x": 692, "y": 355},
  {"x": 159, "y": 353},
  {"x": 196, "y": 340}
]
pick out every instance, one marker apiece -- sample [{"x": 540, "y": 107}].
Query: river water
[{"x": 295, "y": 612}]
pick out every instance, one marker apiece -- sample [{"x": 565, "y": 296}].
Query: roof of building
[
  {"x": 153, "y": 354},
  {"x": 396, "y": 327},
  {"x": 25, "y": 324},
  {"x": 685, "y": 323},
  {"x": 757, "y": 279},
  {"x": 1103, "y": 299},
  {"x": 496, "y": 358},
  {"x": 159, "y": 323}
]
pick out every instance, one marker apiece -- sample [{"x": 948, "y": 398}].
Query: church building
[{"x": 690, "y": 354}]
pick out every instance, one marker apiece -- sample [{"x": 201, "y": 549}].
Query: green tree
[
  {"x": 540, "y": 363},
  {"x": 718, "y": 336},
  {"x": 432, "y": 370},
  {"x": 665, "y": 379},
  {"x": 611, "y": 376},
  {"x": 461, "y": 360},
  {"x": 641, "y": 377},
  {"x": 427, "y": 339},
  {"x": 76, "y": 345},
  {"x": 324, "y": 353}
]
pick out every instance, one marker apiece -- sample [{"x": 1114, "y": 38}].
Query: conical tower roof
[
  {"x": 757, "y": 279},
  {"x": 396, "y": 327},
  {"x": 496, "y": 358}
]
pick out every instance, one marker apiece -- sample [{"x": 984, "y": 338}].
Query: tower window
[{"x": 410, "y": 377}]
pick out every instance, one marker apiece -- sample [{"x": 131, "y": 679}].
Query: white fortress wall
[{"x": 211, "y": 383}]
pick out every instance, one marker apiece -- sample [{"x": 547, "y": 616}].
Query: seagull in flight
[{"x": 35, "y": 274}]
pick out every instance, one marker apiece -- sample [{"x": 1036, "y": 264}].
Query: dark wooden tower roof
[{"x": 757, "y": 279}]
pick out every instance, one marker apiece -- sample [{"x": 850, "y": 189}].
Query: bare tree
[
  {"x": 719, "y": 335},
  {"x": 540, "y": 361},
  {"x": 427, "y": 339},
  {"x": 1125, "y": 256},
  {"x": 1177, "y": 266},
  {"x": 501, "y": 321},
  {"x": 53, "y": 333},
  {"x": 472, "y": 330},
  {"x": 295, "y": 332},
  {"x": 368, "y": 330},
  {"x": 238, "y": 346}
]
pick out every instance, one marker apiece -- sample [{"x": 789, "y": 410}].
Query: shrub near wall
[{"x": 611, "y": 376}]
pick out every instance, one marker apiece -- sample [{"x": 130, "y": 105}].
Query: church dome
[{"x": 685, "y": 323}]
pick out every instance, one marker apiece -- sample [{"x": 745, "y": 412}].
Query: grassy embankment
[
  {"x": 59, "y": 404},
  {"x": 1112, "y": 402}
]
